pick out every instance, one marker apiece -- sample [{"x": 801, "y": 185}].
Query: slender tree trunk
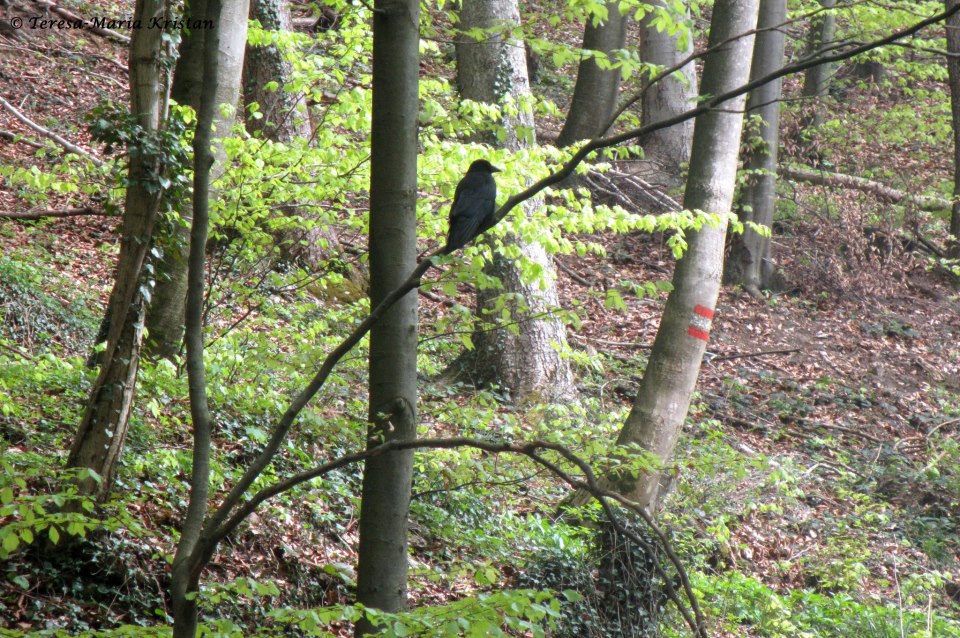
[
  {"x": 382, "y": 562},
  {"x": 667, "y": 148},
  {"x": 953, "y": 69},
  {"x": 185, "y": 573},
  {"x": 103, "y": 428},
  {"x": 525, "y": 363},
  {"x": 165, "y": 315},
  {"x": 595, "y": 93},
  {"x": 750, "y": 262},
  {"x": 668, "y": 383},
  {"x": 816, "y": 81}
]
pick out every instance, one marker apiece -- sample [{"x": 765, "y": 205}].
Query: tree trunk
[
  {"x": 668, "y": 148},
  {"x": 750, "y": 263},
  {"x": 816, "y": 81},
  {"x": 382, "y": 562},
  {"x": 103, "y": 428},
  {"x": 524, "y": 363},
  {"x": 668, "y": 383},
  {"x": 165, "y": 315},
  {"x": 953, "y": 69},
  {"x": 285, "y": 119},
  {"x": 185, "y": 572},
  {"x": 284, "y": 113},
  {"x": 596, "y": 90}
]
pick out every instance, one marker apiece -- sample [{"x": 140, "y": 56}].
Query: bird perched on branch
[{"x": 474, "y": 204}]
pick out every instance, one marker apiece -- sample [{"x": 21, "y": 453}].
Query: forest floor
[{"x": 847, "y": 385}]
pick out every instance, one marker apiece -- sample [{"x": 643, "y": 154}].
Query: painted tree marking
[{"x": 700, "y": 323}]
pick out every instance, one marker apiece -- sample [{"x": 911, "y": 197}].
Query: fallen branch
[
  {"x": 41, "y": 214},
  {"x": 864, "y": 185},
  {"x": 73, "y": 17},
  {"x": 615, "y": 344},
  {"x": 750, "y": 355},
  {"x": 73, "y": 148},
  {"x": 19, "y": 139}
]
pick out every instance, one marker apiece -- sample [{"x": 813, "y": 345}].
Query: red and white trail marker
[{"x": 700, "y": 323}]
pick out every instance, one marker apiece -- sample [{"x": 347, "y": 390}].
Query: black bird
[{"x": 474, "y": 204}]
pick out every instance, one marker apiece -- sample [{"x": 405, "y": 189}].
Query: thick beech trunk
[
  {"x": 816, "y": 81},
  {"x": 382, "y": 564},
  {"x": 285, "y": 119},
  {"x": 103, "y": 428},
  {"x": 525, "y": 363},
  {"x": 596, "y": 90},
  {"x": 284, "y": 114},
  {"x": 165, "y": 315},
  {"x": 668, "y": 148},
  {"x": 750, "y": 263}
]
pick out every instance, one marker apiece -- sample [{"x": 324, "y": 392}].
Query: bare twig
[
  {"x": 16, "y": 351},
  {"x": 572, "y": 274}
]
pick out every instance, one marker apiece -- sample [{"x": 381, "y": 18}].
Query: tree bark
[
  {"x": 953, "y": 70},
  {"x": 286, "y": 120},
  {"x": 185, "y": 572},
  {"x": 284, "y": 113},
  {"x": 667, "y": 148},
  {"x": 103, "y": 428},
  {"x": 382, "y": 562},
  {"x": 595, "y": 93},
  {"x": 750, "y": 263},
  {"x": 664, "y": 395},
  {"x": 525, "y": 363},
  {"x": 165, "y": 315},
  {"x": 816, "y": 81}
]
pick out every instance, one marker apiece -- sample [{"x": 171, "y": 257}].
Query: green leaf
[
  {"x": 10, "y": 543},
  {"x": 614, "y": 300}
]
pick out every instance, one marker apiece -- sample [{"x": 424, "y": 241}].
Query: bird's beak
[{"x": 494, "y": 169}]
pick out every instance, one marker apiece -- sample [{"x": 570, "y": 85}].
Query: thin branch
[
  {"x": 73, "y": 148},
  {"x": 706, "y": 106},
  {"x": 659, "y": 77}
]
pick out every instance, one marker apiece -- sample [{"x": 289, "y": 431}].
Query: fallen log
[{"x": 877, "y": 189}]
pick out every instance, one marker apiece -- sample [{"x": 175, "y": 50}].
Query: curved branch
[
  {"x": 530, "y": 449},
  {"x": 708, "y": 104}
]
